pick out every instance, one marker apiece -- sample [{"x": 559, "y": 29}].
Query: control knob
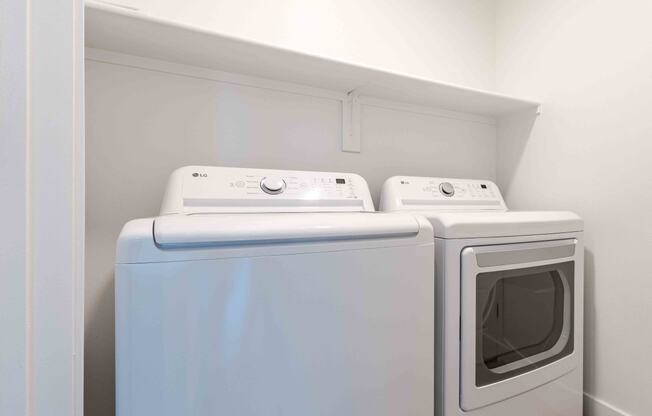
[
  {"x": 272, "y": 185},
  {"x": 447, "y": 189}
]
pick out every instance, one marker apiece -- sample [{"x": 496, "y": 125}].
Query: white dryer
[
  {"x": 261, "y": 292},
  {"x": 509, "y": 299}
]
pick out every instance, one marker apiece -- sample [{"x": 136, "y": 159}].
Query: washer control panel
[
  {"x": 205, "y": 189},
  {"x": 413, "y": 192}
]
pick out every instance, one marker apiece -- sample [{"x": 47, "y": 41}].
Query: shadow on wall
[
  {"x": 99, "y": 353},
  {"x": 589, "y": 330},
  {"x": 513, "y": 135}
]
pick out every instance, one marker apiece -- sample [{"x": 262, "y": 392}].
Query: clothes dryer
[{"x": 509, "y": 299}]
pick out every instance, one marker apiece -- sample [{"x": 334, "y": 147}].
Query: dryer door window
[
  {"x": 518, "y": 318},
  {"x": 523, "y": 320}
]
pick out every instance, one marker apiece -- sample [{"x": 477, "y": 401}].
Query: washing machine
[
  {"x": 509, "y": 299},
  {"x": 268, "y": 292}
]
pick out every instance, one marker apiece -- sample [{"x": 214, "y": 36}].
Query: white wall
[
  {"x": 14, "y": 221},
  {"x": 450, "y": 40},
  {"x": 42, "y": 215},
  {"x": 590, "y": 62},
  {"x": 144, "y": 123}
]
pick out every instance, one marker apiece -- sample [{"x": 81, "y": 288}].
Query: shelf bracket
[{"x": 351, "y": 123}]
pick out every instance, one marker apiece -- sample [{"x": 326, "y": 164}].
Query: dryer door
[{"x": 517, "y": 329}]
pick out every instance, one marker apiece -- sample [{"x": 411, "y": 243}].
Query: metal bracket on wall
[{"x": 351, "y": 123}]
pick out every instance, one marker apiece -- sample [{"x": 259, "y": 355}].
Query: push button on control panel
[
  {"x": 272, "y": 185},
  {"x": 447, "y": 189}
]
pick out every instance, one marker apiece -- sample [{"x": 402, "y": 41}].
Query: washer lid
[{"x": 502, "y": 224}]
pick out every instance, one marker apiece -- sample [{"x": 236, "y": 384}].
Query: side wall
[
  {"x": 41, "y": 183},
  {"x": 14, "y": 187},
  {"x": 589, "y": 151}
]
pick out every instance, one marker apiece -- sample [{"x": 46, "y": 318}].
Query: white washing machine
[
  {"x": 261, "y": 292},
  {"x": 509, "y": 298}
]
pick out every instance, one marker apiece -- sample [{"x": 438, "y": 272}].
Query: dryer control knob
[
  {"x": 447, "y": 189},
  {"x": 272, "y": 185}
]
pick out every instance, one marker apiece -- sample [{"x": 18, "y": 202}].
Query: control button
[
  {"x": 447, "y": 189},
  {"x": 272, "y": 185}
]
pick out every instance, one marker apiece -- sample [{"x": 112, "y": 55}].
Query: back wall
[{"x": 141, "y": 124}]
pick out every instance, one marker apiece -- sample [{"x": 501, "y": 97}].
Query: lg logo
[{"x": 200, "y": 175}]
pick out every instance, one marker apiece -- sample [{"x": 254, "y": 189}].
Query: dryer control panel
[
  {"x": 206, "y": 189},
  {"x": 446, "y": 194}
]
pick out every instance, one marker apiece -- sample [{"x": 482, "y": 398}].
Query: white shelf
[{"x": 121, "y": 30}]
